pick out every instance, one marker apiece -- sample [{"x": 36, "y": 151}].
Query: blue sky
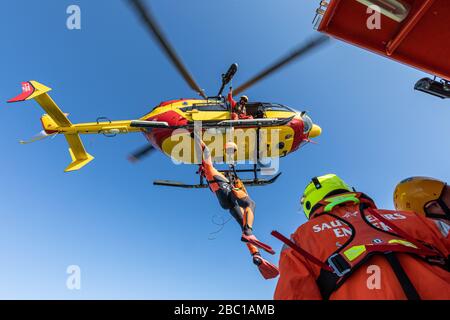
[{"x": 133, "y": 240}]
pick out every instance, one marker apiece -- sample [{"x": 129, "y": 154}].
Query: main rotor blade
[
  {"x": 156, "y": 31},
  {"x": 303, "y": 50},
  {"x": 140, "y": 153}
]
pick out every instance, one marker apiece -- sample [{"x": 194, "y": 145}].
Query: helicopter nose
[{"x": 315, "y": 131}]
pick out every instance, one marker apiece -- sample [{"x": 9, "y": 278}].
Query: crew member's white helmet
[{"x": 230, "y": 147}]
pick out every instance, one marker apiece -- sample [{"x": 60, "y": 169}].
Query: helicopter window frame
[
  {"x": 276, "y": 107},
  {"x": 206, "y": 107},
  {"x": 307, "y": 123}
]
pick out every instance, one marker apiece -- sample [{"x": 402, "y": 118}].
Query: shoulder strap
[
  {"x": 406, "y": 284},
  {"x": 430, "y": 251}
]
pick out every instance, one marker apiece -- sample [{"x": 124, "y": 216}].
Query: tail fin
[
  {"x": 37, "y": 91},
  {"x": 53, "y": 120},
  {"x": 80, "y": 157}
]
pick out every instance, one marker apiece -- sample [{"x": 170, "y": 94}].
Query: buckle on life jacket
[
  {"x": 441, "y": 261},
  {"x": 339, "y": 265}
]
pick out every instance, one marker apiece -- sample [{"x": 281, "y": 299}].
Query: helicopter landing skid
[{"x": 247, "y": 182}]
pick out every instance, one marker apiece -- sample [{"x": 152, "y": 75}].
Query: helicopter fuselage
[{"x": 272, "y": 141}]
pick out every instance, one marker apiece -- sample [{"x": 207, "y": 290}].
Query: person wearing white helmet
[
  {"x": 233, "y": 196},
  {"x": 238, "y": 109}
]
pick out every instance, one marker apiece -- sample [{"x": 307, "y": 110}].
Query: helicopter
[{"x": 175, "y": 120}]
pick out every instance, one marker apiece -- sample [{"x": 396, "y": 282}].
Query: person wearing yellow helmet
[
  {"x": 426, "y": 196},
  {"x": 320, "y": 188},
  {"x": 350, "y": 249}
]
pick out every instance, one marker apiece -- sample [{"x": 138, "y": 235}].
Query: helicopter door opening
[{"x": 256, "y": 110}]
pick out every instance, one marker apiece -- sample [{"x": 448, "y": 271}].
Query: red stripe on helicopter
[
  {"x": 27, "y": 91},
  {"x": 158, "y": 135},
  {"x": 165, "y": 103},
  {"x": 297, "y": 125}
]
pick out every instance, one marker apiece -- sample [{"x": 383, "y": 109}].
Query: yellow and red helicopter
[{"x": 162, "y": 125}]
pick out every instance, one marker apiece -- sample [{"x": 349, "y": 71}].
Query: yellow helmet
[
  {"x": 414, "y": 193},
  {"x": 321, "y": 187},
  {"x": 245, "y": 98}
]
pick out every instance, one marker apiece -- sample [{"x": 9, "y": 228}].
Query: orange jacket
[
  {"x": 215, "y": 177},
  {"x": 231, "y": 101},
  {"x": 374, "y": 278}
]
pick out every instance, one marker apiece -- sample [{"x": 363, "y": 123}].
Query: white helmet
[{"x": 230, "y": 147}]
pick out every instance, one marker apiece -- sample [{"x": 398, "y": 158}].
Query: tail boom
[{"x": 55, "y": 121}]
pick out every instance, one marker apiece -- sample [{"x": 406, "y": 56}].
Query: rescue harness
[{"x": 361, "y": 246}]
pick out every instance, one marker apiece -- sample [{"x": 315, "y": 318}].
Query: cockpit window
[{"x": 307, "y": 123}]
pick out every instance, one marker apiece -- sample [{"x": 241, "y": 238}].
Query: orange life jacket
[
  {"x": 369, "y": 234},
  {"x": 217, "y": 179}
]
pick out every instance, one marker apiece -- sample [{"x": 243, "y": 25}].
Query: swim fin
[{"x": 267, "y": 269}]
